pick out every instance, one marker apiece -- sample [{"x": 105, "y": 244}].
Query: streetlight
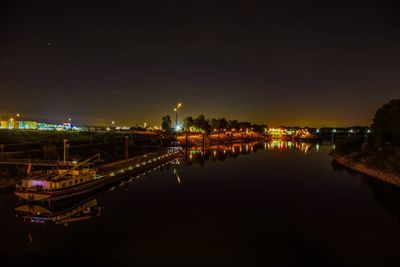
[
  {"x": 176, "y": 115},
  {"x": 10, "y": 124}
]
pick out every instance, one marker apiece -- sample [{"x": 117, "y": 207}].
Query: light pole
[
  {"x": 176, "y": 115},
  {"x": 11, "y": 123}
]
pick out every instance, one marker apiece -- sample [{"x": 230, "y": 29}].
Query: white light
[{"x": 178, "y": 127}]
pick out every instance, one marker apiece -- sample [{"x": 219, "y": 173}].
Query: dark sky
[{"x": 327, "y": 63}]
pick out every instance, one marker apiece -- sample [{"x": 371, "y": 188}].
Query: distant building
[
  {"x": 3, "y": 124},
  {"x": 27, "y": 125}
]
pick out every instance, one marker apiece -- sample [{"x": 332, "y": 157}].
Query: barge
[{"x": 82, "y": 177}]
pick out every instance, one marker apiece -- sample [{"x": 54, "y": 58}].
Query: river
[{"x": 256, "y": 204}]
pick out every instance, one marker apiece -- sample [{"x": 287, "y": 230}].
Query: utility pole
[{"x": 176, "y": 115}]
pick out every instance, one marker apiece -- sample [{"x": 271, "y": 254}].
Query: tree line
[
  {"x": 381, "y": 149},
  {"x": 203, "y": 124}
]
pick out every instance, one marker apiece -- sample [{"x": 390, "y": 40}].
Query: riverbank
[{"x": 348, "y": 162}]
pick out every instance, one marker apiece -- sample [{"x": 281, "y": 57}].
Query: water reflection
[
  {"x": 387, "y": 195},
  {"x": 199, "y": 155},
  {"x": 61, "y": 214}
]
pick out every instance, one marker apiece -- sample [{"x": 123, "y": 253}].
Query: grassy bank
[{"x": 354, "y": 162}]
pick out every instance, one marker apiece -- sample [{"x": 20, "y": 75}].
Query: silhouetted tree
[
  {"x": 386, "y": 124},
  {"x": 245, "y": 125},
  {"x": 214, "y": 123},
  {"x": 234, "y": 124},
  {"x": 222, "y": 123},
  {"x": 187, "y": 123},
  {"x": 259, "y": 127},
  {"x": 166, "y": 124},
  {"x": 200, "y": 122}
]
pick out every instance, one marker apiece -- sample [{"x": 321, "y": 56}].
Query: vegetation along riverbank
[{"x": 378, "y": 154}]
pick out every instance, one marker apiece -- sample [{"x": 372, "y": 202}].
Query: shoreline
[{"x": 387, "y": 177}]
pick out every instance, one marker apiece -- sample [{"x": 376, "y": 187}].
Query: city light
[{"x": 178, "y": 127}]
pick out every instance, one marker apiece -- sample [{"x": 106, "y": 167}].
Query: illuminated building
[
  {"x": 279, "y": 133},
  {"x": 4, "y": 125},
  {"x": 27, "y": 125}
]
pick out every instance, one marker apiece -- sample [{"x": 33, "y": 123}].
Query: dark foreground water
[{"x": 272, "y": 204}]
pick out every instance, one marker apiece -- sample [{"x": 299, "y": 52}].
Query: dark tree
[
  {"x": 222, "y": 123},
  {"x": 200, "y": 122},
  {"x": 233, "y": 124},
  {"x": 188, "y": 122},
  {"x": 244, "y": 125},
  {"x": 386, "y": 125},
  {"x": 260, "y": 128},
  {"x": 166, "y": 124},
  {"x": 214, "y": 123}
]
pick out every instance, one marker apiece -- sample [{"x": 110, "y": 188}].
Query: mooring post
[
  {"x": 204, "y": 145},
  {"x": 126, "y": 146},
  {"x": 186, "y": 147},
  {"x": 65, "y": 150}
]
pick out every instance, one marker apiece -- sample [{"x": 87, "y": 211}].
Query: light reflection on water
[
  {"x": 232, "y": 150},
  {"x": 261, "y": 204}
]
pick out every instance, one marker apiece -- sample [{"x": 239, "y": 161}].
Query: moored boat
[{"x": 82, "y": 177}]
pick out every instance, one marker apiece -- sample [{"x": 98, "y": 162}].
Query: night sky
[{"x": 273, "y": 62}]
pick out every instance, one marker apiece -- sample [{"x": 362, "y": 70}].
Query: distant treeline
[{"x": 201, "y": 123}]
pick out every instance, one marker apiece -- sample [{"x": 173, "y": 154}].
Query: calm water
[{"x": 272, "y": 204}]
